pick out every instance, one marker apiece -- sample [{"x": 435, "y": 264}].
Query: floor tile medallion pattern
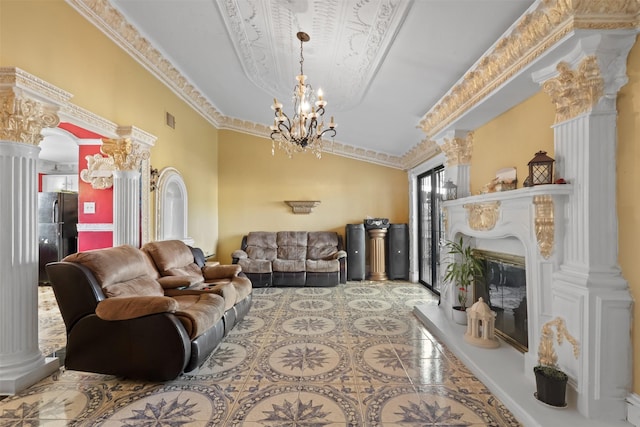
[{"x": 353, "y": 355}]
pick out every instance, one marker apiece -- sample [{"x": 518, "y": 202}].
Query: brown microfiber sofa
[
  {"x": 292, "y": 258},
  {"x": 126, "y": 316}
]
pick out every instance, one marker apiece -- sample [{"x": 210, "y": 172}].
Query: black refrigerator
[{"x": 57, "y": 228}]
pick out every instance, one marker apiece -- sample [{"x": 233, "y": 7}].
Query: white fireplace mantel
[{"x": 496, "y": 219}]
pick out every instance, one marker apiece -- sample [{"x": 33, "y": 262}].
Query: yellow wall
[
  {"x": 628, "y": 159},
  {"x": 254, "y": 186},
  {"x": 50, "y": 40},
  {"x": 511, "y": 140}
]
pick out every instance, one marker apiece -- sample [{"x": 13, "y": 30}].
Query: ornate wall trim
[
  {"x": 99, "y": 172},
  {"x": 482, "y": 216},
  {"x": 575, "y": 91},
  {"x": 544, "y": 224},
  {"x": 127, "y": 156}
]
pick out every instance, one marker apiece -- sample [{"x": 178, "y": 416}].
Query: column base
[
  {"x": 20, "y": 381},
  {"x": 378, "y": 276}
]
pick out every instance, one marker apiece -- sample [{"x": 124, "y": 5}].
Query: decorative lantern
[
  {"x": 541, "y": 169},
  {"x": 450, "y": 190}
]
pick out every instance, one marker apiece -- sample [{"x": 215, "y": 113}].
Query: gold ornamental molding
[
  {"x": 458, "y": 150},
  {"x": 546, "y": 354},
  {"x": 22, "y": 118},
  {"x": 482, "y": 216},
  {"x": 575, "y": 91},
  {"x": 99, "y": 172},
  {"x": 27, "y": 105},
  {"x": 530, "y": 37},
  {"x": 126, "y": 155},
  {"x": 544, "y": 224}
]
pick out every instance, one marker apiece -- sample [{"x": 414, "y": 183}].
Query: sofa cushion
[
  {"x": 288, "y": 265},
  {"x": 292, "y": 245},
  {"x": 125, "y": 308},
  {"x": 322, "y": 266},
  {"x": 122, "y": 271},
  {"x": 261, "y": 245},
  {"x": 199, "y": 312},
  {"x": 173, "y": 258},
  {"x": 321, "y": 245}
]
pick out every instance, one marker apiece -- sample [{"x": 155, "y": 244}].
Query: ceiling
[{"x": 382, "y": 64}]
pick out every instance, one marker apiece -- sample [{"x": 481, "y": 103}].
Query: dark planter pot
[{"x": 551, "y": 386}]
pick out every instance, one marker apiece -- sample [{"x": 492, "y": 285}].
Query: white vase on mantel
[{"x": 459, "y": 316}]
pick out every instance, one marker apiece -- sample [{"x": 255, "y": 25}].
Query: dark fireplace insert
[{"x": 503, "y": 285}]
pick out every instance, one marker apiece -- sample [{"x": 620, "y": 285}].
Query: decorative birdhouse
[{"x": 481, "y": 322}]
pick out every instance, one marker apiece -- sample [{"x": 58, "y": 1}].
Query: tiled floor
[{"x": 353, "y": 355}]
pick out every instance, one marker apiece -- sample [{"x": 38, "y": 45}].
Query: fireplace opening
[{"x": 503, "y": 285}]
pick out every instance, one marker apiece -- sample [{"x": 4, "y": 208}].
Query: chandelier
[{"x": 303, "y": 131}]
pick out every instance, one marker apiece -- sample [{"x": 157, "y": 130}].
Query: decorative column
[
  {"x": 127, "y": 157},
  {"x": 457, "y": 146},
  {"x": 27, "y": 105},
  {"x": 377, "y": 257},
  {"x": 145, "y": 140},
  {"x": 589, "y": 290}
]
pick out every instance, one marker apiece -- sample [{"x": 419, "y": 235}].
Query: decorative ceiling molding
[
  {"x": 115, "y": 26},
  {"x": 263, "y": 35},
  {"x": 111, "y": 22},
  {"x": 531, "y": 36}
]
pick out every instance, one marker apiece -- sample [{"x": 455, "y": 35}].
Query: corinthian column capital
[
  {"x": 458, "y": 148},
  {"x": 575, "y": 91},
  {"x": 127, "y": 156},
  {"x": 27, "y": 105}
]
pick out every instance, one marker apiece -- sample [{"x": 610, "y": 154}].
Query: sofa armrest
[
  {"x": 239, "y": 254},
  {"x": 213, "y": 272},
  {"x": 337, "y": 255},
  {"x": 125, "y": 308}
]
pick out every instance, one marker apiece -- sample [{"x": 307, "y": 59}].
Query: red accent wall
[
  {"x": 79, "y": 132},
  {"x": 103, "y": 200}
]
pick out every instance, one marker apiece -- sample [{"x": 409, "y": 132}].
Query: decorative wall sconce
[
  {"x": 302, "y": 206},
  {"x": 450, "y": 190},
  {"x": 541, "y": 169}
]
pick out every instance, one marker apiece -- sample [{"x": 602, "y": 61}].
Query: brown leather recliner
[
  {"x": 179, "y": 274},
  {"x": 119, "y": 320}
]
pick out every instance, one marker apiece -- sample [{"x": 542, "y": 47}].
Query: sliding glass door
[{"x": 430, "y": 226}]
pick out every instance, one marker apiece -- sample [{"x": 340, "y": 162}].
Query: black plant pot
[{"x": 551, "y": 386}]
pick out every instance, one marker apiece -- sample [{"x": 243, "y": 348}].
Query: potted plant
[
  {"x": 551, "y": 381},
  {"x": 459, "y": 273}
]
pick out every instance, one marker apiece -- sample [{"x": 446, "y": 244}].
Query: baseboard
[{"x": 633, "y": 409}]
